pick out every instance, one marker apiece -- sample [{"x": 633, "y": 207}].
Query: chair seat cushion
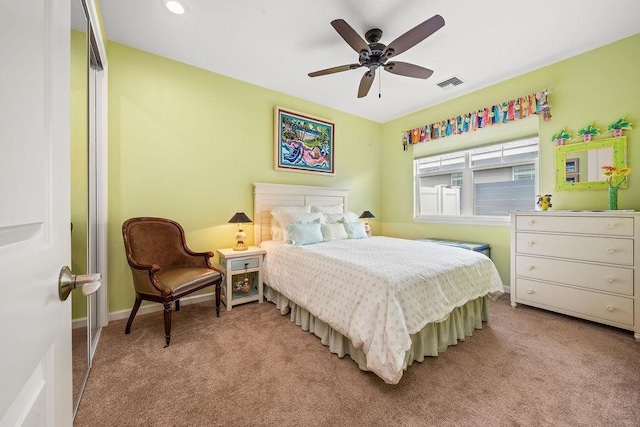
[{"x": 181, "y": 280}]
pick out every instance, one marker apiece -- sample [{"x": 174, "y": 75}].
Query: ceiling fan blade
[
  {"x": 350, "y": 35},
  {"x": 409, "y": 70},
  {"x": 334, "y": 70},
  {"x": 365, "y": 83},
  {"x": 414, "y": 36}
]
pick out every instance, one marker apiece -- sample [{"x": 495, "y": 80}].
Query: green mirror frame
[{"x": 572, "y": 152}]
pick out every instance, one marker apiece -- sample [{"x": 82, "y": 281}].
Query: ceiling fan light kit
[{"x": 374, "y": 55}]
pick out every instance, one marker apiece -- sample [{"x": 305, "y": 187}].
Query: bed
[{"x": 383, "y": 301}]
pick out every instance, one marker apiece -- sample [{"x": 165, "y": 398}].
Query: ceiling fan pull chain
[{"x": 379, "y": 85}]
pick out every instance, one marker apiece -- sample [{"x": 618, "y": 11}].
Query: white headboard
[{"x": 269, "y": 196}]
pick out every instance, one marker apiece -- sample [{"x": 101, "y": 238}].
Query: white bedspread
[{"x": 378, "y": 291}]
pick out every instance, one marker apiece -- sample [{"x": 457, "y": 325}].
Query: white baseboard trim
[
  {"x": 152, "y": 307},
  {"x": 507, "y": 289},
  {"x": 145, "y": 308}
]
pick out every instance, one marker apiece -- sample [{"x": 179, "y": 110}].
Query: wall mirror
[{"x": 579, "y": 165}]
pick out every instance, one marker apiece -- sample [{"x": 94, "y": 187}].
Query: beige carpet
[{"x": 253, "y": 367}]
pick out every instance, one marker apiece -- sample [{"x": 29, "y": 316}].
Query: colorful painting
[{"x": 303, "y": 143}]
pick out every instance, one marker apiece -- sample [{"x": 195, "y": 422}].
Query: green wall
[
  {"x": 188, "y": 144},
  {"x": 598, "y": 86}
]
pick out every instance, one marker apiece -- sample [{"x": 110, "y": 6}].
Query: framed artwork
[
  {"x": 303, "y": 143},
  {"x": 572, "y": 166}
]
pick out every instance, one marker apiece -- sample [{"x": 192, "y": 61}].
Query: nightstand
[{"x": 243, "y": 275}]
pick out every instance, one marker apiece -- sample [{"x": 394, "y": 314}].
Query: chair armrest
[
  {"x": 154, "y": 268},
  {"x": 151, "y": 270},
  {"x": 201, "y": 259}
]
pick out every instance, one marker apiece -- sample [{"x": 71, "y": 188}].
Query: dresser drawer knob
[
  {"x": 530, "y": 222},
  {"x": 611, "y": 226},
  {"x": 529, "y": 291},
  {"x": 610, "y": 279},
  {"x": 610, "y": 307},
  {"x": 530, "y": 243},
  {"x": 611, "y": 250},
  {"x": 529, "y": 267}
]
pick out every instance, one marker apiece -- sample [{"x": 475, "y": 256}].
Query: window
[{"x": 487, "y": 181}]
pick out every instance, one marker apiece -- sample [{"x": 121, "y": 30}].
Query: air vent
[{"x": 449, "y": 83}]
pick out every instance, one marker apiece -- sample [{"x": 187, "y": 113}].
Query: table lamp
[
  {"x": 366, "y": 215},
  {"x": 240, "y": 218}
]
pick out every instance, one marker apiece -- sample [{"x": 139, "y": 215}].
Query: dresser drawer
[
  {"x": 611, "y": 308},
  {"x": 600, "y": 277},
  {"x": 610, "y": 226},
  {"x": 586, "y": 248}
]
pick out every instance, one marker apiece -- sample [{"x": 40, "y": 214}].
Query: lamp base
[{"x": 240, "y": 248}]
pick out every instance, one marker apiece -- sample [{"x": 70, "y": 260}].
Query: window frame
[{"x": 467, "y": 176}]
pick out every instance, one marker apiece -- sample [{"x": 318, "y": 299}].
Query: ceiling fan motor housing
[{"x": 375, "y": 58}]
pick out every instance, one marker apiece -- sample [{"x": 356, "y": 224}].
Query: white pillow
[
  {"x": 333, "y": 232},
  {"x": 355, "y": 230},
  {"x": 276, "y": 231},
  {"x": 305, "y": 234},
  {"x": 285, "y": 218},
  {"x": 335, "y": 209},
  {"x": 340, "y": 217}
]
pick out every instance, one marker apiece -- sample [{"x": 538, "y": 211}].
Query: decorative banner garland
[{"x": 515, "y": 109}]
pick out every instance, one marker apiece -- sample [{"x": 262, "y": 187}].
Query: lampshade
[
  {"x": 367, "y": 214},
  {"x": 239, "y": 217}
]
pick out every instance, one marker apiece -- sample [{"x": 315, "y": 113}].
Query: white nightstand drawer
[
  {"x": 586, "y": 248},
  {"x": 243, "y": 264},
  {"x": 593, "y": 276},
  {"x": 611, "y": 226},
  {"x": 610, "y": 308}
]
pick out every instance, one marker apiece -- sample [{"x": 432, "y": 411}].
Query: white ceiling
[{"x": 276, "y": 43}]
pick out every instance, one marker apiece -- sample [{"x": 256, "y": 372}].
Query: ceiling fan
[{"x": 374, "y": 55}]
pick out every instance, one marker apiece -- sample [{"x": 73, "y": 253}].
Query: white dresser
[{"x": 583, "y": 264}]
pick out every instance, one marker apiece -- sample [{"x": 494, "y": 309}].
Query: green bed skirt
[{"x": 434, "y": 338}]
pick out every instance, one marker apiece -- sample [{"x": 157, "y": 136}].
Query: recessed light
[{"x": 175, "y": 6}]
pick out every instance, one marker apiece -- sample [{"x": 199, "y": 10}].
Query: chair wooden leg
[
  {"x": 134, "y": 310},
  {"x": 167, "y": 323},
  {"x": 177, "y": 305},
  {"x": 217, "y": 299}
]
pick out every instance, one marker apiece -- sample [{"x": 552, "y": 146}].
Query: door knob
[{"x": 68, "y": 281}]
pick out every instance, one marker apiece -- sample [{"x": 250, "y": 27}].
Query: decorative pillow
[
  {"x": 335, "y": 209},
  {"x": 276, "y": 231},
  {"x": 340, "y": 217},
  {"x": 305, "y": 234},
  {"x": 334, "y": 232},
  {"x": 355, "y": 230},
  {"x": 284, "y": 219}
]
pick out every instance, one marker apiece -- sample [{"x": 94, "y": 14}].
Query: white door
[{"x": 35, "y": 332}]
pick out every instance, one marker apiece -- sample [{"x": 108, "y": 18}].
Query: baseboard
[
  {"x": 147, "y": 308},
  {"x": 507, "y": 289}
]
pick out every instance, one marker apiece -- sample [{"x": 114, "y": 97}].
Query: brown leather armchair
[{"x": 164, "y": 269}]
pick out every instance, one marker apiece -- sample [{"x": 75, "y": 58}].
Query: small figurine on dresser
[{"x": 543, "y": 202}]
